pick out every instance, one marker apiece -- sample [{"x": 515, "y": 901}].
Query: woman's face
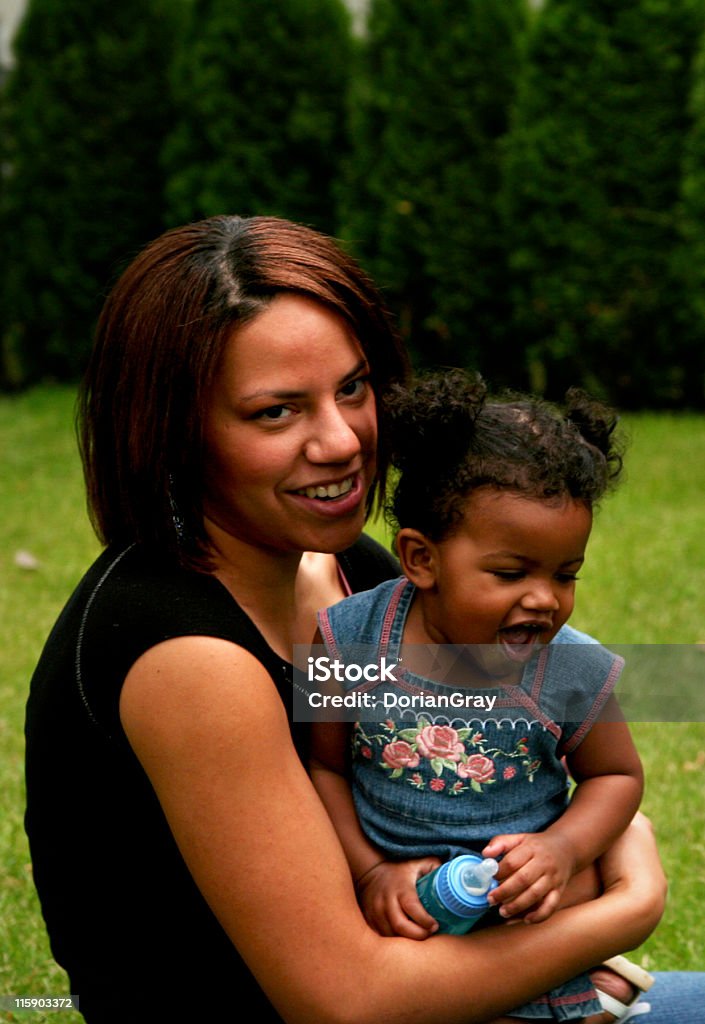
[{"x": 290, "y": 432}]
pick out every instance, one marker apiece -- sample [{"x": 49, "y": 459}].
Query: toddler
[{"x": 493, "y": 508}]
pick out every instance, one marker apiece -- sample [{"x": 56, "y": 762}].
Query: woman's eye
[
  {"x": 274, "y": 413},
  {"x": 354, "y": 388}
]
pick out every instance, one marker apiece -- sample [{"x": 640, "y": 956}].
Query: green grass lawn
[
  {"x": 42, "y": 514},
  {"x": 641, "y": 584}
]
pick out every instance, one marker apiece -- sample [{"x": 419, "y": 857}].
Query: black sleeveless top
[{"x": 124, "y": 917}]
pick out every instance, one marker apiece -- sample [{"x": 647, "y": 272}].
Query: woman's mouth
[
  {"x": 341, "y": 498},
  {"x": 327, "y": 492}
]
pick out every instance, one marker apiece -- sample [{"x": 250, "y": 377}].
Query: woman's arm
[{"x": 205, "y": 720}]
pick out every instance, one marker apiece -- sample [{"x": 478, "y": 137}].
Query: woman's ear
[{"x": 417, "y": 555}]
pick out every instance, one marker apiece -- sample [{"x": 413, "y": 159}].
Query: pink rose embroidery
[
  {"x": 440, "y": 741},
  {"x": 366, "y": 752},
  {"x": 400, "y": 754},
  {"x": 509, "y": 772},
  {"x": 437, "y": 785},
  {"x": 477, "y": 767}
]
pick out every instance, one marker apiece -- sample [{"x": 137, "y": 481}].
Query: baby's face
[{"x": 506, "y": 577}]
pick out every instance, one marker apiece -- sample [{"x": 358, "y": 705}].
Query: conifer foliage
[
  {"x": 429, "y": 107},
  {"x": 593, "y": 169},
  {"x": 260, "y": 89},
  {"x": 689, "y": 260},
  {"x": 523, "y": 178},
  {"x": 83, "y": 111}
]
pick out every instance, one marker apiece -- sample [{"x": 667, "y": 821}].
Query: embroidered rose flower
[
  {"x": 509, "y": 772},
  {"x": 440, "y": 741},
  {"x": 400, "y": 754},
  {"x": 366, "y": 752},
  {"x": 477, "y": 767},
  {"x": 437, "y": 785}
]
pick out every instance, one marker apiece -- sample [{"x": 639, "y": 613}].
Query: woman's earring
[{"x": 176, "y": 517}]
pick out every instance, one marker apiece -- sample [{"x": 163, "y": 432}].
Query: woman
[{"x": 184, "y": 863}]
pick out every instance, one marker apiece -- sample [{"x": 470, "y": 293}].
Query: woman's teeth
[{"x": 330, "y": 491}]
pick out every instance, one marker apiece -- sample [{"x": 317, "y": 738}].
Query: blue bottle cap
[{"x": 454, "y": 895}]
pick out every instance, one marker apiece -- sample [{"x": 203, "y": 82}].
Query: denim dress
[{"x": 429, "y": 783}]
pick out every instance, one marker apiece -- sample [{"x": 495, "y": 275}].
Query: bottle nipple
[{"x": 477, "y": 878}]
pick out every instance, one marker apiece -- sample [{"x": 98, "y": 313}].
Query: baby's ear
[{"x": 417, "y": 555}]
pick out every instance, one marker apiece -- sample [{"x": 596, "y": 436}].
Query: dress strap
[{"x": 395, "y": 618}]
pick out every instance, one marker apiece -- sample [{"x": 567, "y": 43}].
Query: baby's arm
[
  {"x": 536, "y": 868},
  {"x": 386, "y": 889}
]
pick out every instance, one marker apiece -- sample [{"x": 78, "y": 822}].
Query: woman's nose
[{"x": 332, "y": 438}]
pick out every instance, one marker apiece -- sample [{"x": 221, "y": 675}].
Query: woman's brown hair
[{"x": 159, "y": 341}]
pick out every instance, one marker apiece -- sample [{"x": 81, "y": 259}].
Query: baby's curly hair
[{"x": 448, "y": 437}]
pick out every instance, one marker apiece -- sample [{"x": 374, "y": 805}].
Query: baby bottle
[{"x": 456, "y": 892}]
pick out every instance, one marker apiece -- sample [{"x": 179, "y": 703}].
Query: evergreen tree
[
  {"x": 593, "y": 166},
  {"x": 83, "y": 111},
  {"x": 689, "y": 261},
  {"x": 260, "y": 88},
  {"x": 428, "y": 111}
]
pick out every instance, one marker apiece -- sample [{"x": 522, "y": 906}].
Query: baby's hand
[
  {"x": 533, "y": 873},
  {"x": 390, "y": 902}
]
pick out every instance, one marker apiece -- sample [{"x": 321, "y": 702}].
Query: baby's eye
[
  {"x": 567, "y": 577},
  {"x": 354, "y": 388},
  {"x": 274, "y": 413},
  {"x": 509, "y": 574}
]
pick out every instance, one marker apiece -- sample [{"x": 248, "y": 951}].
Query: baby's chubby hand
[
  {"x": 389, "y": 900},
  {"x": 533, "y": 873}
]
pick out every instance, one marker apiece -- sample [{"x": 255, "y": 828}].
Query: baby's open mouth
[
  {"x": 327, "y": 492},
  {"x": 518, "y": 641}
]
